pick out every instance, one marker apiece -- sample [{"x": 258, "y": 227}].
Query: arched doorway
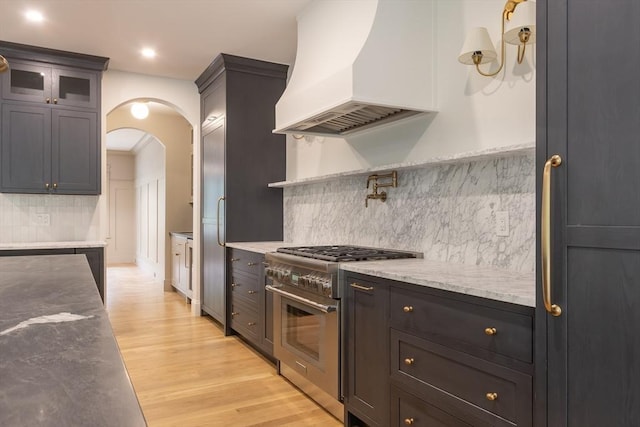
[{"x": 149, "y": 162}]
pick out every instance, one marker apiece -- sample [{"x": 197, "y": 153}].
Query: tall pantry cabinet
[
  {"x": 588, "y": 115},
  {"x": 240, "y": 156}
]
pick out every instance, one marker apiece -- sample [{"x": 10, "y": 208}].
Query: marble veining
[
  {"x": 50, "y": 318},
  {"x": 486, "y": 282},
  {"x": 446, "y": 211},
  {"x": 61, "y": 366},
  {"x": 258, "y": 247}
]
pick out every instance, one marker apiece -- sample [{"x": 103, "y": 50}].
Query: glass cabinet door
[
  {"x": 76, "y": 88},
  {"x": 26, "y": 82}
]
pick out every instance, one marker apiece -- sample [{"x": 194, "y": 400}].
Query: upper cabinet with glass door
[{"x": 35, "y": 82}]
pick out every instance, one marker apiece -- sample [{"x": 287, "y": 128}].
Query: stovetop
[{"x": 345, "y": 253}]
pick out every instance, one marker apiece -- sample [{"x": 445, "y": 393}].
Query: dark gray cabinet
[
  {"x": 240, "y": 156},
  {"x": 587, "y": 113},
  {"x": 95, "y": 257},
  {"x": 367, "y": 350},
  {"x": 50, "y": 139},
  {"x": 422, "y": 356},
  {"x": 251, "y": 306}
]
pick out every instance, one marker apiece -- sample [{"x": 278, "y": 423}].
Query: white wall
[
  {"x": 150, "y": 197},
  {"x": 120, "y": 87},
  {"x": 474, "y": 112}
]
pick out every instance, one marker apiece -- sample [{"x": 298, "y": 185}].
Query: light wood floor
[{"x": 187, "y": 373}]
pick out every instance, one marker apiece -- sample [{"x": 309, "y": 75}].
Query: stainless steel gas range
[{"x": 305, "y": 282}]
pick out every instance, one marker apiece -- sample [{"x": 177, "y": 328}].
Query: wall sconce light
[{"x": 517, "y": 28}]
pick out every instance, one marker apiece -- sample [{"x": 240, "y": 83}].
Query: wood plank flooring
[{"x": 187, "y": 373}]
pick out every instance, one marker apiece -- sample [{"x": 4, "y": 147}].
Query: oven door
[{"x": 306, "y": 340}]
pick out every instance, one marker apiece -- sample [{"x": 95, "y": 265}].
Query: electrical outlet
[
  {"x": 502, "y": 223},
  {"x": 43, "y": 220}
]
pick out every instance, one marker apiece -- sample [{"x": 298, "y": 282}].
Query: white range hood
[{"x": 359, "y": 64}]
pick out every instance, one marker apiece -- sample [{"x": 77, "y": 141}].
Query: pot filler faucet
[{"x": 382, "y": 195}]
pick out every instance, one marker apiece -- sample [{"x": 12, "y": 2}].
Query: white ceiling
[
  {"x": 186, "y": 34},
  {"x": 125, "y": 139}
]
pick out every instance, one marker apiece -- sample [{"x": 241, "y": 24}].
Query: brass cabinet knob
[
  {"x": 492, "y": 396},
  {"x": 408, "y": 421},
  {"x": 55, "y": 100},
  {"x": 490, "y": 331},
  {"x": 46, "y": 185},
  {"x": 251, "y": 324},
  {"x": 251, "y": 292},
  {"x": 407, "y": 309},
  {"x": 408, "y": 361},
  {"x": 48, "y": 100},
  {"x": 234, "y": 313},
  {"x": 251, "y": 264},
  {"x": 233, "y": 285},
  {"x": 235, "y": 259},
  {"x": 55, "y": 185}
]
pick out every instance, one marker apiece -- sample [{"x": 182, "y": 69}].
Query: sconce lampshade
[
  {"x": 477, "y": 40},
  {"x": 523, "y": 17}
]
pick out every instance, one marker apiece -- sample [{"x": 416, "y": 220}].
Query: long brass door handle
[
  {"x": 220, "y": 199},
  {"x": 545, "y": 232}
]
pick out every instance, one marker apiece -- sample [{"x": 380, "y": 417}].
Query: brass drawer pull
[
  {"x": 492, "y": 396},
  {"x": 407, "y": 308},
  {"x": 361, "y": 288},
  {"x": 233, "y": 285},
  {"x": 251, "y": 292},
  {"x": 234, "y": 313},
  {"x": 251, "y": 264},
  {"x": 408, "y": 421},
  {"x": 408, "y": 361},
  {"x": 251, "y": 324},
  {"x": 235, "y": 259},
  {"x": 490, "y": 331}
]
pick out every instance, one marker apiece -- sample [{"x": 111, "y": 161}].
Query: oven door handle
[{"x": 323, "y": 308}]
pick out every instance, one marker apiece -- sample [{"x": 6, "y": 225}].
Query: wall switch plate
[
  {"x": 43, "y": 219},
  {"x": 502, "y": 223}
]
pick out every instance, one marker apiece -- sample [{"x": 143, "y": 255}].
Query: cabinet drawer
[
  {"x": 246, "y": 287},
  {"x": 466, "y": 381},
  {"x": 409, "y": 410},
  {"x": 244, "y": 320},
  {"x": 245, "y": 261},
  {"x": 472, "y": 328}
]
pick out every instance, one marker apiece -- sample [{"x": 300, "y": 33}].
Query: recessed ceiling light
[
  {"x": 34, "y": 16},
  {"x": 148, "y": 52},
  {"x": 139, "y": 110}
]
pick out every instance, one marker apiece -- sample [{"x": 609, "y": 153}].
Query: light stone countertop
[
  {"x": 259, "y": 247},
  {"x": 486, "y": 282},
  {"x": 59, "y": 361},
  {"x": 54, "y": 245}
]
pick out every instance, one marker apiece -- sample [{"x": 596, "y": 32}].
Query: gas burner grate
[{"x": 343, "y": 253}]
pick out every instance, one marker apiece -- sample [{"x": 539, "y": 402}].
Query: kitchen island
[{"x": 59, "y": 361}]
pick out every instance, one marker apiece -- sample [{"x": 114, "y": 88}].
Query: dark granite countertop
[{"x": 59, "y": 361}]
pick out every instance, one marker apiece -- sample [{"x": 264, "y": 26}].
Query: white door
[{"x": 121, "y": 240}]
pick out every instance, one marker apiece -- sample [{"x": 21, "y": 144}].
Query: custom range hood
[{"x": 360, "y": 64}]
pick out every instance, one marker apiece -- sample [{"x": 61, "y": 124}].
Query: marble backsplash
[
  {"x": 446, "y": 211},
  {"x": 71, "y": 218}
]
